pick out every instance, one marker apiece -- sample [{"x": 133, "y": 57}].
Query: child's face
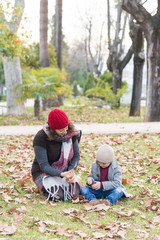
[{"x": 103, "y": 165}]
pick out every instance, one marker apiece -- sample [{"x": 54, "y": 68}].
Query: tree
[
  {"x": 103, "y": 90},
  {"x": 44, "y": 54},
  {"x": 2, "y": 79},
  {"x": 94, "y": 61},
  {"x": 43, "y": 83},
  {"x": 76, "y": 65},
  {"x": 75, "y": 89},
  {"x": 137, "y": 37},
  {"x": 64, "y": 43},
  {"x": 58, "y": 32},
  {"x": 30, "y": 56},
  {"x": 117, "y": 61},
  {"x": 89, "y": 83},
  {"x": 10, "y": 49},
  {"x": 150, "y": 26}
]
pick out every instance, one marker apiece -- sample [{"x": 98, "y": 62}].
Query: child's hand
[
  {"x": 89, "y": 181},
  {"x": 96, "y": 185}
]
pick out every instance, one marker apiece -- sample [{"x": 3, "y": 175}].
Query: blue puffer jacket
[{"x": 114, "y": 177}]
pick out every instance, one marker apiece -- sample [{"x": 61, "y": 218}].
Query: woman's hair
[{"x": 52, "y": 135}]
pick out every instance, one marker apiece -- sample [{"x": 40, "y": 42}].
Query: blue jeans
[{"x": 111, "y": 195}]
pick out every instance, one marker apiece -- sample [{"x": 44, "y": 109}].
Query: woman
[{"x": 56, "y": 157}]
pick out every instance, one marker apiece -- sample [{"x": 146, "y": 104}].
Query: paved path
[{"x": 87, "y": 128}]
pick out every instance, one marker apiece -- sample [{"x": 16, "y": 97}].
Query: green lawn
[
  {"x": 79, "y": 110},
  {"x": 25, "y": 214}
]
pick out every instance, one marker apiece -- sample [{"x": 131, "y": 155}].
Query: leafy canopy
[
  {"x": 30, "y": 56},
  {"x": 10, "y": 42},
  {"x": 43, "y": 83},
  {"x": 103, "y": 90}
]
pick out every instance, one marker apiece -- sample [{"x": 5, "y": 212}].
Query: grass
[
  {"x": 78, "y": 110},
  {"x": 27, "y": 213}
]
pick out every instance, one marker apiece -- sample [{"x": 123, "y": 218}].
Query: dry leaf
[
  {"x": 156, "y": 219},
  {"x": 100, "y": 207},
  {"x": 127, "y": 181},
  {"x": 123, "y": 214},
  {"x": 81, "y": 234},
  {"x": 7, "y": 230},
  {"x": 22, "y": 209},
  {"x": 98, "y": 235},
  {"x": 87, "y": 206}
]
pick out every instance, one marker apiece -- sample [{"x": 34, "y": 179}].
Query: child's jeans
[{"x": 111, "y": 195}]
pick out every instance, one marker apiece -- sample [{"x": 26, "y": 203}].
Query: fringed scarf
[{"x": 66, "y": 148}]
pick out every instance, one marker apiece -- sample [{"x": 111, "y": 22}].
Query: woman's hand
[
  {"x": 69, "y": 174},
  {"x": 96, "y": 185},
  {"x": 70, "y": 179}
]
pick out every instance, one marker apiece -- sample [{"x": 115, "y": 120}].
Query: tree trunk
[
  {"x": 153, "y": 89},
  {"x": 137, "y": 87},
  {"x": 44, "y": 54},
  {"x": 117, "y": 83},
  {"x": 36, "y": 108},
  {"x": 115, "y": 62},
  {"x": 58, "y": 32},
  {"x": 116, "y": 79},
  {"x": 44, "y": 104},
  {"x": 12, "y": 72},
  {"x": 136, "y": 34},
  {"x": 150, "y": 26},
  {"x": 55, "y": 102}
]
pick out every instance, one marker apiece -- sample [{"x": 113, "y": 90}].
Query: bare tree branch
[
  {"x": 123, "y": 30},
  {"x": 127, "y": 58},
  {"x": 137, "y": 11}
]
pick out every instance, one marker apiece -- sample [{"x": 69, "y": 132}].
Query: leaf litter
[{"x": 138, "y": 156}]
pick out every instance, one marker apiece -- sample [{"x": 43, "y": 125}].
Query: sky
[{"x": 75, "y": 12}]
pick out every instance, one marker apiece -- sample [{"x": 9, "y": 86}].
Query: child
[{"x": 105, "y": 179}]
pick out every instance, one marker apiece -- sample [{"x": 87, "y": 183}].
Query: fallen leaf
[
  {"x": 156, "y": 219},
  {"x": 123, "y": 214},
  {"x": 7, "y": 230},
  {"x": 100, "y": 207},
  {"x": 87, "y": 206},
  {"x": 98, "y": 235},
  {"x": 127, "y": 181},
  {"x": 81, "y": 234},
  {"x": 22, "y": 209}
]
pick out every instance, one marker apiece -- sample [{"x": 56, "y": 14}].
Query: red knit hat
[{"x": 57, "y": 119}]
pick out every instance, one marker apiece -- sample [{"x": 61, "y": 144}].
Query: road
[{"x": 87, "y": 128}]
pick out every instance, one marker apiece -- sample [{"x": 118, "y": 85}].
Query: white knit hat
[{"x": 105, "y": 154}]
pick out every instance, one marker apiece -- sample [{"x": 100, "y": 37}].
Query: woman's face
[{"x": 62, "y": 132}]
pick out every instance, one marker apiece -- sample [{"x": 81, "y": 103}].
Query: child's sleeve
[{"x": 91, "y": 175}]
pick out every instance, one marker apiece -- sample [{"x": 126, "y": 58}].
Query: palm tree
[
  {"x": 43, "y": 83},
  {"x": 44, "y": 54},
  {"x": 58, "y": 32}
]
